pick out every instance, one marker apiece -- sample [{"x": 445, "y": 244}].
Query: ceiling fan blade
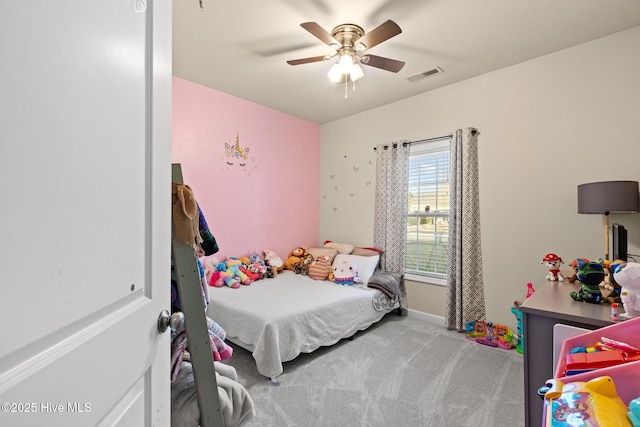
[
  {"x": 383, "y": 63},
  {"x": 320, "y": 33},
  {"x": 382, "y": 32},
  {"x": 307, "y": 60}
]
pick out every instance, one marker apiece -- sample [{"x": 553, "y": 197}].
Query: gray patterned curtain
[
  {"x": 390, "y": 216},
  {"x": 465, "y": 287}
]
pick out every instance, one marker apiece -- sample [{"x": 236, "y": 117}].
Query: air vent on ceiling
[{"x": 425, "y": 74}]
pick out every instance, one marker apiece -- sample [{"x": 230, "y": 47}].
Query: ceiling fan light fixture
[
  {"x": 349, "y": 40},
  {"x": 356, "y": 72},
  {"x": 335, "y": 75},
  {"x": 346, "y": 63}
]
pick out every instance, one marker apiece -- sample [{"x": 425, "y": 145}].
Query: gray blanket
[{"x": 389, "y": 283}]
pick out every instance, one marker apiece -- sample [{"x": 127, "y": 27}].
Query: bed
[{"x": 279, "y": 318}]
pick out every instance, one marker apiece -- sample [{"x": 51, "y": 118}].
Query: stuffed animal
[
  {"x": 270, "y": 272},
  {"x": 222, "y": 277},
  {"x": 250, "y": 269},
  {"x": 272, "y": 259},
  {"x": 627, "y": 275},
  {"x": 611, "y": 284},
  {"x": 344, "y": 272},
  {"x": 574, "y": 266},
  {"x": 552, "y": 262},
  {"x": 590, "y": 274},
  {"x": 233, "y": 266},
  {"x": 294, "y": 257},
  {"x": 255, "y": 257},
  {"x": 209, "y": 263},
  {"x": 319, "y": 268},
  {"x": 302, "y": 266}
]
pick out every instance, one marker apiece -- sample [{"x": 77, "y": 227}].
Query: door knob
[{"x": 166, "y": 319}]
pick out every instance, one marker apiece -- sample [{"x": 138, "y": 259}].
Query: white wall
[{"x": 545, "y": 125}]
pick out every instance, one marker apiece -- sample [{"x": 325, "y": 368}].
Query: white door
[{"x": 85, "y": 175}]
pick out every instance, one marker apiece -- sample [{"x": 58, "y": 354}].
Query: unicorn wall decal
[{"x": 236, "y": 153}]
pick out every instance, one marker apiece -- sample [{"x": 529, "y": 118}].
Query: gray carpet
[{"x": 403, "y": 371}]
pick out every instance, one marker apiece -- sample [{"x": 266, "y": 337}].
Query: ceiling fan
[{"x": 350, "y": 41}]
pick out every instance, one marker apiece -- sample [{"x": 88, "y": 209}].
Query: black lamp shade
[{"x": 608, "y": 197}]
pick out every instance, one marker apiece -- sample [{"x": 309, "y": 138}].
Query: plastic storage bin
[{"x": 626, "y": 376}]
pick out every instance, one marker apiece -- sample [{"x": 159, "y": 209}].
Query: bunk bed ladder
[{"x": 188, "y": 281}]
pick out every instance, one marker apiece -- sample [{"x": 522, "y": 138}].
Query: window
[{"x": 428, "y": 211}]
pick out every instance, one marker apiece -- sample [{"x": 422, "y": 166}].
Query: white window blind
[{"x": 428, "y": 210}]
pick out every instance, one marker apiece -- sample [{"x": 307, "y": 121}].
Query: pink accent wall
[{"x": 272, "y": 200}]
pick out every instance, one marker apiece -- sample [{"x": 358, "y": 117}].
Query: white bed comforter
[{"x": 279, "y": 318}]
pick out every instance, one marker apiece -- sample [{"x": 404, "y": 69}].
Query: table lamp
[{"x": 608, "y": 197}]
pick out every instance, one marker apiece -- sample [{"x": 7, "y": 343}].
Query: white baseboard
[{"x": 431, "y": 318}]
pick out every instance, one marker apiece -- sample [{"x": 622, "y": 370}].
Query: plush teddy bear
[
  {"x": 590, "y": 274},
  {"x": 552, "y": 262},
  {"x": 294, "y": 257}
]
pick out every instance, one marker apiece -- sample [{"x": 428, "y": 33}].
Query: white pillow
[{"x": 365, "y": 265}]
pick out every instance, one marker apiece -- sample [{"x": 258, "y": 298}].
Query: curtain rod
[{"x": 404, "y": 144}]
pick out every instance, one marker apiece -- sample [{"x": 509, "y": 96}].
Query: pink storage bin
[{"x": 626, "y": 376}]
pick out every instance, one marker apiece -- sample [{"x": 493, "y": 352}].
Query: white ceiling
[{"x": 241, "y": 47}]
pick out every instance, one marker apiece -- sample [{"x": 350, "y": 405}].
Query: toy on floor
[
  {"x": 592, "y": 403},
  {"x": 517, "y": 338},
  {"x": 553, "y": 262},
  {"x": 627, "y": 275},
  {"x": 490, "y": 334},
  {"x": 590, "y": 274}
]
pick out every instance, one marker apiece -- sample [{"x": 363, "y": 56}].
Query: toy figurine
[
  {"x": 574, "y": 266},
  {"x": 552, "y": 262},
  {"x": 627, "y": 275},
  {"x": 590, "y": 274}
]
